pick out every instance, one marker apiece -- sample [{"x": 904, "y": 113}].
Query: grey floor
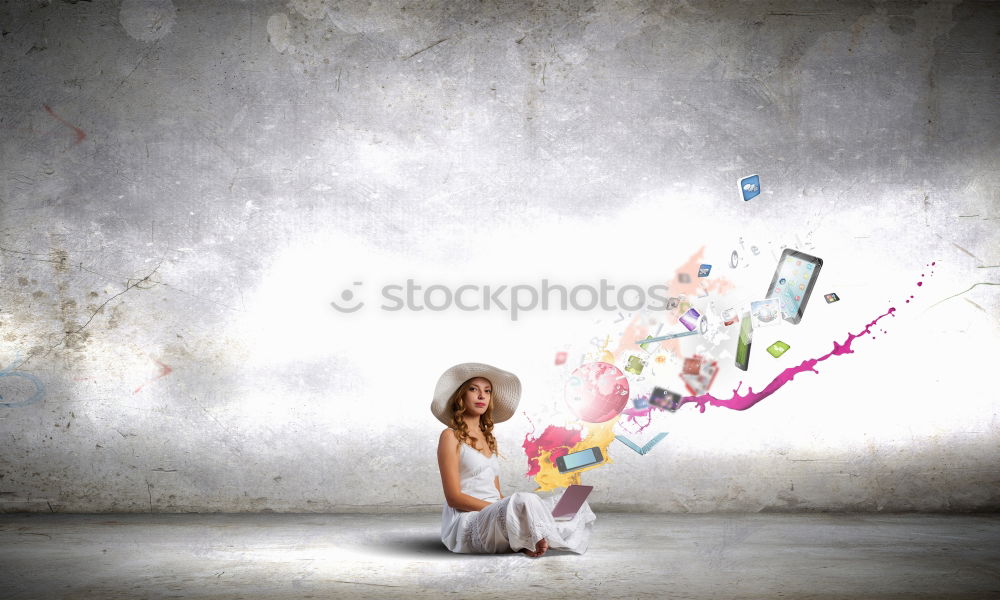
[{"x": 400, "y": 556}]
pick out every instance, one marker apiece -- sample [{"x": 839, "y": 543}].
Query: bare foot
[{"x": 540, "y": 548}]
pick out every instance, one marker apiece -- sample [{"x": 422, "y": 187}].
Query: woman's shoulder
[{"x": 450, "y": 443}]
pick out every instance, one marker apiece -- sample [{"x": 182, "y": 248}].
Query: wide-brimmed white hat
[{"x": 506, "y": 390}]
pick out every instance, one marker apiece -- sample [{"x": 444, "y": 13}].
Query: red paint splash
[
  {"x": 557, "y": 440},
  {"x": 164, "y": 371},
  {"x": 80, "y": 134}
]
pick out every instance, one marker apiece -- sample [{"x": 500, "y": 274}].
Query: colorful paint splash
[
  {"x": 555, "y": 441},
  {"x": 632, "y": 415},
  {"x": 558, "y": 441},
  {"x": 744, "y": 401}
]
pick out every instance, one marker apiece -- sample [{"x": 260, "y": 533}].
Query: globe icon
[{"x": 597, "y": 392}]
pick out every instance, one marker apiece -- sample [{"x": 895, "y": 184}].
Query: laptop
[{"x": 571, "y": 501}]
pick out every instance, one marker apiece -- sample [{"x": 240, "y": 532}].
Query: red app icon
[{"x": 692, "y": 365}]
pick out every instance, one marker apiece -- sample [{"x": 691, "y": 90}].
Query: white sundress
[{"x": 511, "y": 524}]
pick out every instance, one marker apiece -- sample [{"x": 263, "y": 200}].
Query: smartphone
[
  {"x": 579, "y": 460},
  {"x": 793, "y": 282},
  {"x": 743, "y": 343}
]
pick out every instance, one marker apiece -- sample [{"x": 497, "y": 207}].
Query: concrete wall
[{"x": 185, "y": 187}]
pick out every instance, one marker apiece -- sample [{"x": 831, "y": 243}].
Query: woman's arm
[
  {"x": 448, "y": 458},
  {"x": 496, "y": 482}
]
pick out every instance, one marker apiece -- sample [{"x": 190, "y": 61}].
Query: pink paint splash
[
  {"x": 632, "y": 413},
  {"x": 164, "y": 371},
  {"x": 744, "y": 401},
  {"x": 922, "y": 275},
  {"x": 557, "y": 440},
  {"x": 80, "y": 134}
]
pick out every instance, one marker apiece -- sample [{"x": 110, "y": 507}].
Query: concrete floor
[{"x": 399, "y": 556}]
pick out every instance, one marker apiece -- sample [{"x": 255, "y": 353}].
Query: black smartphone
[
  {"x": 743, "y": 343},
  {"x": 579, "y": 460},
  {"x": 793, "y": 282}
]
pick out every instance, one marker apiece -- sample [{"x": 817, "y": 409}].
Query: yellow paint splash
[{"x": 598, "y": 434}]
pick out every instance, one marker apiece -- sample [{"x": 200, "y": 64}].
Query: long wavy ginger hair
[{"x": 457, "y": 408}]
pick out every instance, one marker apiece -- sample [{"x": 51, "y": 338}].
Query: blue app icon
[
  {"x": 704, "y": 270},
  {"x": 750, "y": 187}
]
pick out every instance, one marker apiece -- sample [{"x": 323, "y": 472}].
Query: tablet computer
[{"x": 793, "y": 282}]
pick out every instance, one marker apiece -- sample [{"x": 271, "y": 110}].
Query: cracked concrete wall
[{"x": 185, "y": 187}]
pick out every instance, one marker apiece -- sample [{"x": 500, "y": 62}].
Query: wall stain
[
  {"x": 60, "y": 260},
  {"x": 164, "y": 371},
  {"x": 39, "y": 391},
  {"x": 79, "y": 133}
]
